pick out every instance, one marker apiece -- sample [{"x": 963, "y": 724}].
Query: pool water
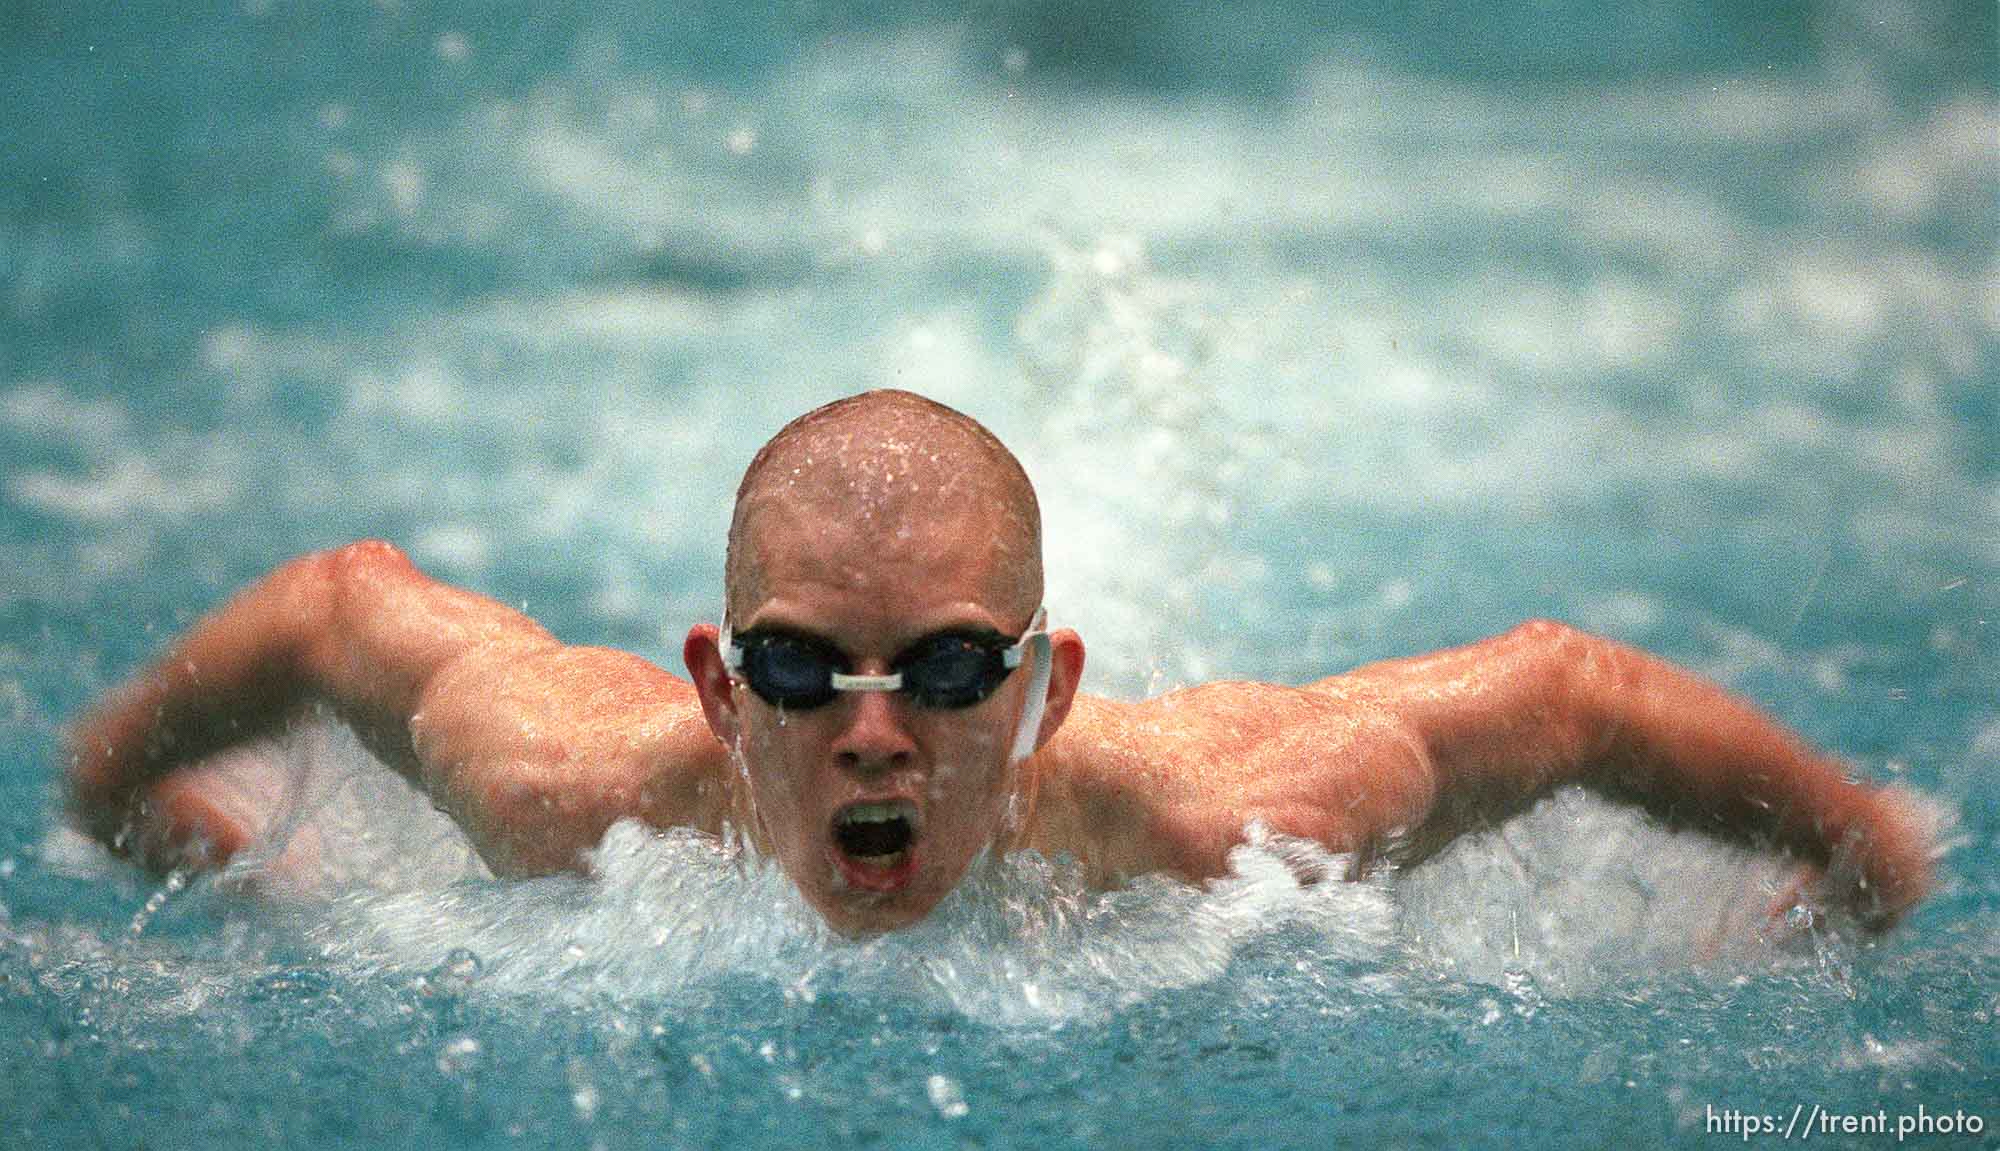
[{"x": 1325, "y": 340}]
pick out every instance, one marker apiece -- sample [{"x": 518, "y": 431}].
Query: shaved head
[{"x": 880, "y": 473}]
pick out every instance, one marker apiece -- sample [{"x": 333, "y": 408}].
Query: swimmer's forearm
[
  {"x": 1543, "y": 705},
  {"x": 1696, "y": 754}
]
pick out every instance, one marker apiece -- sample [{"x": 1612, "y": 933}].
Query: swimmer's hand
[
  {"x": 534, "y": 747},
  {"x": 1878, "y": 873}
]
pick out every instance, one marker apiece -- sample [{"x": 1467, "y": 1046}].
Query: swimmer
[{"x": 883, "y": 700}]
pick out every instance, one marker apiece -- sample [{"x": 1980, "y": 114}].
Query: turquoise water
[{"x": 1325, "y": 340}]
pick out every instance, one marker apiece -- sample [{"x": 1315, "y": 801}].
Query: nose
[{"x": 874, "y": 739}]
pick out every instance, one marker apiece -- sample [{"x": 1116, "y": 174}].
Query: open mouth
[{"x": 875, "y": 843}]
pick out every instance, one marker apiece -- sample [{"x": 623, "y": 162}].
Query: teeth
[{"x": 872, "y": 813}]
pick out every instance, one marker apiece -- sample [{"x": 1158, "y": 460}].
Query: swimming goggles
[{"x": 946, "y": 670}]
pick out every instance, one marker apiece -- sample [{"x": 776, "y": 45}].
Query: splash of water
[
  {"x": 1022, "y": 941},
  {"x": 378, "y": 885}
]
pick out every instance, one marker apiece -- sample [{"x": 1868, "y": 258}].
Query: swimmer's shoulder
[
  {"x": 1169, "y": 783},
  {"x": 536, "y": 753}
]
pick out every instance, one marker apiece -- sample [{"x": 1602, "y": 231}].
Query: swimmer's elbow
[
  {"x": 1575, "y": 682},
  {"x": 335, "y": 572},
  {"x": 355, "y": 574},
  {"x": 369, "y": 553},
  {"x": 1553, "y": 649},
  {"x": 313, "y": 597}
]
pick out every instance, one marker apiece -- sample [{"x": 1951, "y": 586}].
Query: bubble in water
[
  {"x": 946, "y": 1096},
  {"x": 460, "y": 969},
  {"x": 459, "y": 1056},
  {"x": 176, "y": 880},
  {"x": 583, "y": 1091}
]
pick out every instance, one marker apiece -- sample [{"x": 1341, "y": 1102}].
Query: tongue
[{"x": 874, "y": 839}]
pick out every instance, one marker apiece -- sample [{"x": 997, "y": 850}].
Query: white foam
[
  {"x": 1156, "y": 397},
  {"x": 1022, "y": 942},
  {"x": 1578, "y": 892},
  {"x": 383, "y": 883},
  {"x": 1569, "y": 896},
  {"x": 463, "y": 546}
]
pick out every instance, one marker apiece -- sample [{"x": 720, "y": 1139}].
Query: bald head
[{"x": 883, "y": 473}]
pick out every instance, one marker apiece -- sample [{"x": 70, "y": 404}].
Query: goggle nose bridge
[{"x": 890, "y": 682}]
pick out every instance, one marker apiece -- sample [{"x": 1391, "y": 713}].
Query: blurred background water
[{"x": 1327, "y": 333}]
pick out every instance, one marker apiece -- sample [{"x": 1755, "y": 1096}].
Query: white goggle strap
[
  {"x": 1038, "y": 685},
  {"x": 732, "y": 653}
]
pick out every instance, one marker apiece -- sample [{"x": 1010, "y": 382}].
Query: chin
[{"x": 858, "y": 916}]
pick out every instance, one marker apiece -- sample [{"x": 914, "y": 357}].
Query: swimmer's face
[{"x": 874, "y": 805}]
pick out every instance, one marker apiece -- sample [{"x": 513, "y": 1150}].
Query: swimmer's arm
[
  {"x": 1505, "y": 720},
  {"x": 533, "y": 746}
]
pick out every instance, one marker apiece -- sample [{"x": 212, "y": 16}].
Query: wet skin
[
  {"x": 536, "y": 747},
  {"x": 947, "y": 767}
]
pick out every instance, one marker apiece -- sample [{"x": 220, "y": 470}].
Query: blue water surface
[{"x": 1327, "y": 336}]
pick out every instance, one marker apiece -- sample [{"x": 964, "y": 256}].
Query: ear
[
  {"x": 1065, "y": 673},
  {"x": 712, "y": 682}
]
